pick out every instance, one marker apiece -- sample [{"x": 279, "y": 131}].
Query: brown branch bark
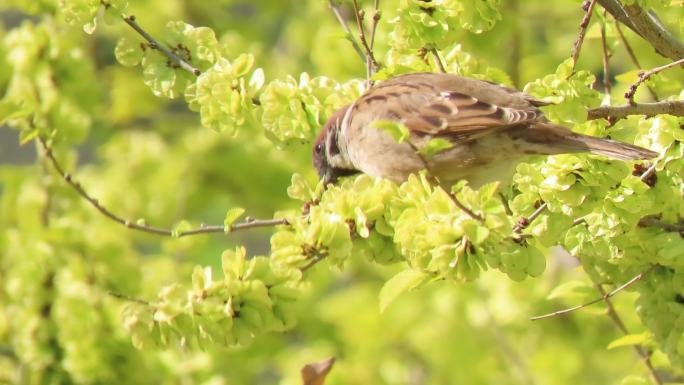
[
  {"x": 371, "y": 63},
  {"x": 438, "y": 60},
  {"x": 154, "y": 44},
  {"x": 632, "y": 55},
  {"x": 655, "y": 222},
  {"x": 526, "y": 221},
  {"x": 577, "y": 47},
  {"x": 606, "y": 56},
  {"x": 647, "y": 25},
  {"x": 597, "y": 300},
  {"x": 335, "y": 8},
  {"x": 143, "y": 227},
  {"x": 612, "y": 313},
  {"x": 669, "y": 107},
  {"x": 643, "y": 76},
  {"x": 128, "y": 298}
]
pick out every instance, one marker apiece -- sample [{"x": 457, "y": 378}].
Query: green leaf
[
  {"x": 403, "y": 281},
  {"x": 634, "y": 380},
  {"x": 231, "y": 216},
  {"x": 201, "y": 277},
  {"x": 180, "y": 227},
  {"x": 299, "y": 189},
  {"x": 571, "y": 290},
  {"x": 12, "y": 109},
  {"x": 434, "y": 146},
  {"x": 475, "y": 233},
  {"x": 256, "y": 81},
  {"x": 128, "y": 52},
  {"x": 630, "y": 340},
  {"x": 242, "y": 65},
  {"x": 396, "y": 130},
  {"x": 233, "y": 262},
  {"x": 28, "y": 135}
]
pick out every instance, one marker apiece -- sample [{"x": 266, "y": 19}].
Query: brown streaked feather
[{"x": 459, "y": 109}]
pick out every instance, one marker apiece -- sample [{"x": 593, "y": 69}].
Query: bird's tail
[
  {"x": 555, "y": 139},
  {"x": 611, "y": 148}
]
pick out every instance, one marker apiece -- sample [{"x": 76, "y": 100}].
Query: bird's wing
[{"x": 449, "y": 106}]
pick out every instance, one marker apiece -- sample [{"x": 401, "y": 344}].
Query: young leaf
[
  {"x": 434, "y": 146},
  {"x": 231, "y": 216},
  {"x": 396, "y": 130},
  {"x": 128, "y": 52},
  {"x": 181, "y": 227},
  {"x": 299, "y": 189},
  {"x": 403, "y": 281},
  {"x": 572, "y": 289},
  {"x": 630, "y": 340}
]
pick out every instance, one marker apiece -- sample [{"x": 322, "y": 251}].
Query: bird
[{"x": 488, "y": 128}]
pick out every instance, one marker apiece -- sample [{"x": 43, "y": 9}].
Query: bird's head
[{"x": 329, "y": 154}]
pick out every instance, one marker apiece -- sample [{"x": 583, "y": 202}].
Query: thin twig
[
  {"x": 317, "y": 258},
  {"x": 46, "y": 183},
  {"x": 464, "y": 208},
  {"x": 453, "y": 197},
  {"x": 350, "y": 36},
  {"x": 597, "y": 300},
  {"x": 371, "y": 63},
  {"x": 628, "y": 47},
  {"x": 438, "y": 60},
  {"x": 526, "y": 221},
  {"x": 606, "y": 56},
  {"x": 649, "y": 171},
  {"x": 252, "y": 223},
  {"x": 154, "y": 44},
  {"x": 648, "y": 26},
  {"x": 655, "y": 222},
  {"x": 612, "y": 313},
  {"x": 514, "y": 357},
  {"x": 504, "y": 202},
  {"x": 632, "y": 55},
  {"x": 128, "y": 298},
  {"x": 577, "y": 47},
  {"x": 643, "y": 76},
  {"x": 669, "y": 107},
  {"x": 376, "y": 19}
]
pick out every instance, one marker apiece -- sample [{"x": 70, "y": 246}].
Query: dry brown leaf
[{"x": 315, "y": 373}]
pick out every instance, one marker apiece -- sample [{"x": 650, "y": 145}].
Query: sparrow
[{"x": 489, "y": 129}]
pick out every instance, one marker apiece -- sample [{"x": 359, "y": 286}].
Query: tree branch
[
  {"x": 577, "y": 47},
  {"x": 612, "y": 313},
  {"x": 154, "y": 44},
  {"x": 655, "y": 222},
  {"x": 371, "y": 63},
  {"x": 376, "y": 20},
  {"x": 438, "y": 60},
  {"x": 606, "y": 57},
  {"x": 643, "y": 76},
  {"x": 646, "y": 25},
  {"x": 526, "y": 221},
  {"x": 632, "y": 56},
  {"x": 597, "y": 300},
  {"x": 338, "y": 15},
  {"x": 128, "y": 298},
  {"x": 669, "y": 107},
  {"x": 250, "y": 223}
]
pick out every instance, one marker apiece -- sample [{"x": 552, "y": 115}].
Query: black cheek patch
[{"x": 334, "y": 148}]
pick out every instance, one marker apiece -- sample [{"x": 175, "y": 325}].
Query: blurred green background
[{"x": 149, "y": 157}]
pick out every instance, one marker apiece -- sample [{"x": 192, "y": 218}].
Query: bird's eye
[{"x": 319, "y": 148}]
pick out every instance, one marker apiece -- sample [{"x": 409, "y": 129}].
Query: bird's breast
[{"x": 488, "y": 159}]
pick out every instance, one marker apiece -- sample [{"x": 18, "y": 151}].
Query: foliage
[{"x": 85, "y": 300}]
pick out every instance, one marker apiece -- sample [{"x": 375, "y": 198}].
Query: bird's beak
[{"x": 327, "y": 177}]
